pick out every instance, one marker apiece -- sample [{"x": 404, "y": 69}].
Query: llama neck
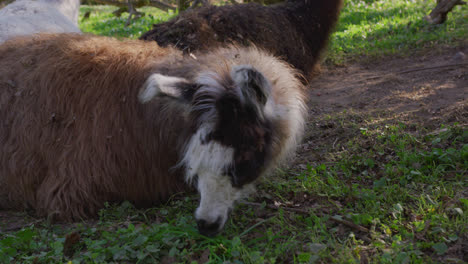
[
  {"x": 69, "y": 8},
  {"x": 313, "y": 18}
]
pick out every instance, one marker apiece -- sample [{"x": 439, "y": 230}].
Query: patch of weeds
[
  {"x": 101, "y": 21},
  {"x": 406, "y": 188},
  {"x": 387, "y": 195},
  {"x": 378, "y": 28}
]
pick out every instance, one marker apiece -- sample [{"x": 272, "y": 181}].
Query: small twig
[
  {"x": 350, "y": 224},
  {"x": 296, "y": 210},
  {"x": 431, "y": 68},
  {"x": 334, "y": 142},
  {"x": 254, "y": 226},
  {"x": 439, "y": 131},
  {"x": 414, "y": 70},
  {"x": 18, "y": 227},
  {"x": 306, "y": 212}
]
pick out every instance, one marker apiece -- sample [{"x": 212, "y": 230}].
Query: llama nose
[{"x": 209, "y": 229}]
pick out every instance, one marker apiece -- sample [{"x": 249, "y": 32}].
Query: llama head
[{"x": 230, "y": 147}]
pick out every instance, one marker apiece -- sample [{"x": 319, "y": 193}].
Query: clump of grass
[
  {"x": 377, "y": 28},
  {"x": 407, "y": 189},
  {"x": 102, "y": 22}
]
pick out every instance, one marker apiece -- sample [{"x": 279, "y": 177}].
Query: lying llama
[
  {"x": 87, "y": 119},
  {"x": 24, "y": 17},
  {"x": 296, "y": 30}
]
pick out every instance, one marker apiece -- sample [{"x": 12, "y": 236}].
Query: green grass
[
  {"x": 408, "y": 189},
  {"x": 102, "y": 22},
  {"x": 377, "y": 28}
]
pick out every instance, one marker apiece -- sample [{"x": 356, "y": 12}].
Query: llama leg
[
  {"x": 20, "y": 175},
  {"x": 63, "y": 196}
]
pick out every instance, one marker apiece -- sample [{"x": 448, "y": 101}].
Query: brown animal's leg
[
  {"x": 20, "y": 175},
  {"x": 63, "y": 197}
]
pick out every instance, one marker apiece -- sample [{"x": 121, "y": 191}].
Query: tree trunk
[
  {"x": 443, "y": 7},
  {"x": 183, "y": 5},
  {"x": 197, "y": 3}
]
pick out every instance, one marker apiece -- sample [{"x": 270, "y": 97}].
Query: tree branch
[{"x": 443, "y": 7}]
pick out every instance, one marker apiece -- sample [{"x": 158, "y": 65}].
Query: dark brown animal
[
  {"x": 296, "y": 30},
  {"x": 87, "y": 120}
]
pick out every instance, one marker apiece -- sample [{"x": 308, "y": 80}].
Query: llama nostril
[{"x": 209, "y": 229}]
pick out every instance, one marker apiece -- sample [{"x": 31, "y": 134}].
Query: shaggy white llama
[{"x": 24, "y": 17}]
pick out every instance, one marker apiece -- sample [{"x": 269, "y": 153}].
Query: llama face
[
  {"x": 231, "y": 145},
  {"x": 207, "y": 164}
]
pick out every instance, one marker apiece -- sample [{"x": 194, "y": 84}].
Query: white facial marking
[
  {"x": 217, "y": 197},
  {"x": 208, "y": 160},
  {"x": 203, "y": 157},
  {"x": 159, "y": 84}
]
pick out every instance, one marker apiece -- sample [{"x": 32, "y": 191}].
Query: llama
[
  {"x": 87, "y": 120},
  {"x": 24, "y": 17},
  {"x": 296, "y": 30}
]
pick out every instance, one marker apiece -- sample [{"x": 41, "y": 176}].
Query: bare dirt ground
[
  {"x": 427, "y": 89},
  {"x": 428, "y": 86}
]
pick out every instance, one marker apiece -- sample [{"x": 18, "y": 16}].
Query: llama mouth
[{"x": 210, "y": 229}]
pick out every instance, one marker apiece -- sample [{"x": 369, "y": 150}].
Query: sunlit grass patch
[
  {"x": 102, "y": 22},
  {"x": 376, "y": 28}
]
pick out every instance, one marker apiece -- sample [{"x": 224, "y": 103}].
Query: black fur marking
[
  {"x": 195, "y": 180},
  {"x": 187, "y": 90},
  {"x": 240, "y": 123},
  {"x": 240, "y": 127},
  {"x": 256, "y": 86}
]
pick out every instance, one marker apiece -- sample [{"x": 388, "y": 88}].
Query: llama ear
[
  {"x": 158, "y": 84},
  {"x": 252, "y": 83}
]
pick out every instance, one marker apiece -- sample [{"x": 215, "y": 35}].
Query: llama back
[
  {"x": 296, "y": 31},
  {"x": 24, "y": 17},
  {"x": 68, "y": 119}
]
